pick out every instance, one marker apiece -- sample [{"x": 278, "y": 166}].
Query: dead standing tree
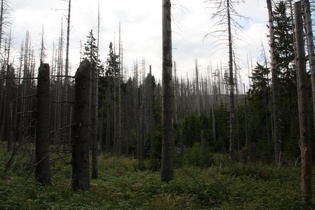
[
  {"x": 64, "y": 114},
  {"x": 226, "y": 16},
  {"x": 81, "y": 129},
  {"x": 42, "y": 171},
  {"x": 66, "y": 117},
  {"x": 167, "y": 169},
  {"x": 275, "y": 100},
  {"x": 304, "y": 113},
  {"x": 310, "y": 44}
]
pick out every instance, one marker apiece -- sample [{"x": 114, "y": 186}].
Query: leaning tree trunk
[
  {"x": 42, "y": 171},
  {"x": 167, "y": 169},
  {"x": 276, "y": 115},
  {"x": 304, "y": 114},
  {"x": 80, "y": 130}
]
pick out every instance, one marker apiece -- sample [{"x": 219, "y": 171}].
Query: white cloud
[{"x": 141, "y": 29}]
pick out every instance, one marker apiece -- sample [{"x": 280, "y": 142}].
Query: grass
[{"x": 130, "y": 184}]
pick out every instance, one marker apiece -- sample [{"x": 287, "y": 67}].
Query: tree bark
[
  {"x": 304, "y": 114},
  {"x": 167, "y": 168},
  {"x": 42, "y": 171},
  {"x": 80, "y": 130},
  {"x": 275, "y": 104}
]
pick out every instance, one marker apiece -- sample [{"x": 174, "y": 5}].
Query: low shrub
[{"x": 199, "y": 157}]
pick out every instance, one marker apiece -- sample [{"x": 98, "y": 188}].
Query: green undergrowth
[{"x": 125, "y": 183}]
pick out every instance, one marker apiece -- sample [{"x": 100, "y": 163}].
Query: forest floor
[{"x": 126, "y": 183}]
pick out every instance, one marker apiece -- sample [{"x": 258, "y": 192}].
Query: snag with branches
[{"x": 227, "y": 18}]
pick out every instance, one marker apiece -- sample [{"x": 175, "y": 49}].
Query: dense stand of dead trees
[{"x": 125, "y": 101}]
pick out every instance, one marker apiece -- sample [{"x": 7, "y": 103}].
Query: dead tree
[
  {"x": 275, "y": 103},
  {"x": 310, "y": 44},
  {"x": 304, "y": 114},
  {"x": 167, "y": 170},
  {"x": 4, "y": 11},
  {"x": 81, "y": 129},
  {"x": 231, "y": 84},
  {"x": 225, "y": 13},
  {"x": 66, "y": 115},
  {"x": 42, "y": 171}
]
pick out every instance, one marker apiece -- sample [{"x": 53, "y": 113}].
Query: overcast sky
[{"x": 141, "y": 31}]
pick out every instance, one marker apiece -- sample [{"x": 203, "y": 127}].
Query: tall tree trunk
[
  {"x": 119, "y": 113},
  {"x": 80, "y": 130},
  {"x": 42, "y": 171},
  {"x": 10, "y": 93},
  {"x": 275, "y": 103},
  {"x": 231, "y": 86},
  {"x": 310, "y": 45},
  {"x": 66, "y": 117},
  {"x": 303, "y": 109},
  {"x": 115, "y": 114},
  {"x": 167, "y": 168},
  {"x": 10, "y": 113}
]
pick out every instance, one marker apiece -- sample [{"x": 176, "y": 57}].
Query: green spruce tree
[{"x": 91, "y": 54}]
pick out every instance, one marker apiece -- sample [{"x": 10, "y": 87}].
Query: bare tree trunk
[
  {"x": 310, "y": 45},
  {"x": 231, "y": 86},
  {"x": 275, "y": 105},
  {"x": 176, "y": 89},
  {"x": 68, "y": 41},
  {"x": 115, "y": 114},
  {"x": 80, "y": 130},
  {"x": 66, "y": 117},
  {"x": 150, "y": 113},
  {"x": 42, "y": 171},
  {"x": 42, "y": 48},
  {"x": 9, "y": 92},
  {"x": 304, "y": 114},
  {"x": 246, "y": 118},
  {"x": 18, "y": 104},
  {"x": 100, "y": 123},
  {"x": 119, "y": 124},
  {"x": 167, "y": 169},
  {"x": 59, "y": 96},
  {"x": 10, "y": 97}
]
